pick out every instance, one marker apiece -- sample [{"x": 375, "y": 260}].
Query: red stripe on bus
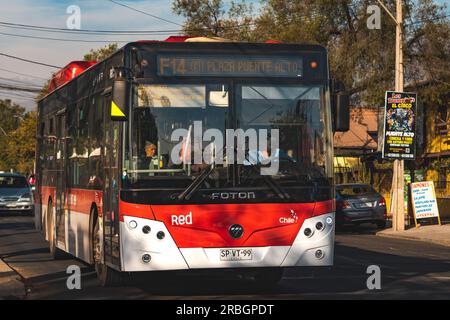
[{"x": 79, "y": 200}]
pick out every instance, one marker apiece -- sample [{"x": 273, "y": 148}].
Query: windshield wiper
[
  {"x": 189, "y": 191},
  {"x": 271, "y": 183}
]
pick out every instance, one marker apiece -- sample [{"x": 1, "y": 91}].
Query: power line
[
  {"x": 22, "y": 82},
  {"x": 16, "y": 95},
  {"x": 58, "y": 39},
  {"x": 22, "y": 94},
  {"x": 11, "y": 96},
  {"x": 146, "y": 13},
  {"x": 29, "y": 61},
  {"x": 22, "y": 74},
  {"x": 32, "y": 82},
  {"x": 17, "y": 88},
  {"x": 80, "y": 31}
]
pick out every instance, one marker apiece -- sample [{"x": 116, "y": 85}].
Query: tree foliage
[
  {"x": 20, "y": 150},
  {"x": 17, "y": 137},
  {"x": 209, "y": 18},
  {"x": 18, "y": 127},
  {"x": 362, "y": 58},
  {"x": 100, "y": 54}
]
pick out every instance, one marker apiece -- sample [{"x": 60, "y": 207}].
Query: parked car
[
  {"x": 359, "y": 203},
  {"x": 15, "y": 193}
]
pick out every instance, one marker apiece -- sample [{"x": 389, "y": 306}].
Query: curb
[
  {"x": 10, "y": 285},
  {"x": 441, "y": 242}
]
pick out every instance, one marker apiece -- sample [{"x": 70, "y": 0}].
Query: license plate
[
  {"x": 366, "y": 205},
  {"x": 235, "y": 254}
]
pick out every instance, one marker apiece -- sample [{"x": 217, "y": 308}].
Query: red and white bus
[{"x": 110, "y": 191}]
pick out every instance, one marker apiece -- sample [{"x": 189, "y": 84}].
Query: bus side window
[
  {"x": 95, "y": 143},
  {"x": 83, "y": 144}
]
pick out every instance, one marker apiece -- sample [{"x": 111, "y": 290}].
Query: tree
[
  {"x": 360, "y": 57},
  {"x": 18, "y": 128},
  {"x": 100, "y": 54},
  {"x": 20, "y": 149},
  {"x": 209, "y": 18},
  {"x": 10, "y": 117}
]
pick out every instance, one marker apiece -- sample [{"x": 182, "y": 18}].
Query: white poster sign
[{"x": 424, "y": 200}]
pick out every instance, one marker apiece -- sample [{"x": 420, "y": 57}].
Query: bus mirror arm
[{"x": 340, "y": 107}]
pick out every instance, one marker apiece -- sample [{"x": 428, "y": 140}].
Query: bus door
[
  {"x": 111, "y": 162},
  {"x": 61, "y": 179}
]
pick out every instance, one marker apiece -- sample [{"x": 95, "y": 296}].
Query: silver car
[{"x": 15, "y": 194}]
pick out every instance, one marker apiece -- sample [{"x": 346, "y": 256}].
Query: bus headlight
[
  {"x": 319, "y": 225},
  {"x": 319, "y": 254},
  {"x": 146, "y": 229},
  {"x": 132, "y": 224},
  {"x": 146, "y": 258},
  {"x": 308, "y": 232},
  {"x": 329, "y": 220},
  {"x": 160, "y": 235}
]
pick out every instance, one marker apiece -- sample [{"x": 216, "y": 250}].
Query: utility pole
[{"x": 398, "y": 184}]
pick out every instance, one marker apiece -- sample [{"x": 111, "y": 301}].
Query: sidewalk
[
  {"x": 10, "y": 285},
  {"x": 435, "y": 234}
]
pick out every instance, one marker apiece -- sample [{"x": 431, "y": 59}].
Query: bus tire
[
  {"x": 55, "y": 252},
  {"x": 106, "y": 276}
]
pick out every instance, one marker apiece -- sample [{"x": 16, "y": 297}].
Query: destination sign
[{"x": 229, "y": 66}]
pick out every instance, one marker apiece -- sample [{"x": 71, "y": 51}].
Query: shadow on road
[
  {"x": 401, "y": 277},
  {"x": 408, "y": 270},
  {"x": 364, "y": 228}
]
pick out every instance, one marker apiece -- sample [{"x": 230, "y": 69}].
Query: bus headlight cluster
[{"x": 323, "y": 224}]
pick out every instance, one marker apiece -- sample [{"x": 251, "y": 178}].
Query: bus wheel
[
  {"x": 106, "y": 276},
  {"x": 55, "y": 252}
]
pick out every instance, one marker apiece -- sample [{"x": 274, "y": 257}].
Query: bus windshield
[{"x": 169, "y": 121}]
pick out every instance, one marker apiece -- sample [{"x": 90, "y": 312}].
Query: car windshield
[{"x": 13, "y": 182}]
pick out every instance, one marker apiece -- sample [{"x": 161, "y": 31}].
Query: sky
[
  {"x": 98, "y": 15},
  {"x": 95, "y": 14}
]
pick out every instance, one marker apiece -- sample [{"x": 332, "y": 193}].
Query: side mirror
[
  {"x": 340, "y": 107},
  {"x": 120, "y": 98},
  {"x": 342, "y": 112}
]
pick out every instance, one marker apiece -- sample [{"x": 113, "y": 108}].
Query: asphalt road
[{"x": 409, "y": 270}]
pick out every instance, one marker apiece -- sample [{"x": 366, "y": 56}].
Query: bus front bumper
[{"x": 150, "y": 252}]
